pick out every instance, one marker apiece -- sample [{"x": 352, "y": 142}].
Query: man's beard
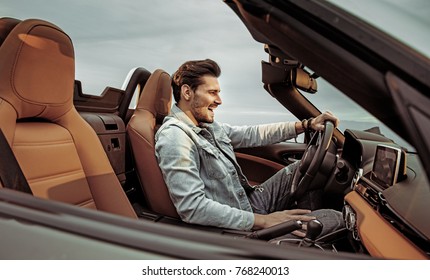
[{"x": 201, "y": 114}]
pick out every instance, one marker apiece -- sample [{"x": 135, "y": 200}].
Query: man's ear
[{"x": 186, "y": 92}]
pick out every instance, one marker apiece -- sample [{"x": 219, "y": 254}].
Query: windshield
[
  {"x": 406, "y": 20},
  {"x": 350, "y": 114}
]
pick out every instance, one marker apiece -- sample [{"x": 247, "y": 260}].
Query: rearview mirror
[{"x": 303, "y": 80}]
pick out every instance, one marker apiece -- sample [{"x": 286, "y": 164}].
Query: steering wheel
[{"x": 311, "y": 161}]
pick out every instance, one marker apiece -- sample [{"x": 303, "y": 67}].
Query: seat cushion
[{"x": 41, "y": 149}]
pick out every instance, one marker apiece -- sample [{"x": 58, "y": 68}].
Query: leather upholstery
[
  {"x": 6, "y": 25},
  {"x": 154, "y": 104},
  {"x": 59, "y": 153}
]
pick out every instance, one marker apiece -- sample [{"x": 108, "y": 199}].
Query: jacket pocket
[{"x": 213, "y": 163}]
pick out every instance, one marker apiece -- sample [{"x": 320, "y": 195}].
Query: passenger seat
[
  {"x": 59, "y": 153},
  {"x": 6, "y": 25}
]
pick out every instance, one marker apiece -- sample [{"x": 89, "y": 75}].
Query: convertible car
[{"x": 65, "y": 153}]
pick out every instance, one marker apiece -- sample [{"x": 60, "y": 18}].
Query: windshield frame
[{"x": 405, "y": 20}]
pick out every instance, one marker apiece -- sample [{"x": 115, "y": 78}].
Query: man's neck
[{"x": 187, "y": 110}]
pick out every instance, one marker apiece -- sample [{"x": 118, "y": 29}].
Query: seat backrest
[
  {"x": 6, "y": 26},
  {"x": 154, "y": 104},
  {"x": 59, "y": 153}
]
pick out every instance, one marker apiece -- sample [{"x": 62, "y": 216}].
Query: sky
[{"x": 111, "y": 37}]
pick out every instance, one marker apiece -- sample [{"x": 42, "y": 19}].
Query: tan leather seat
[
  {"x": 6, "y": 25},
  {"x": 154, "y": 104},
  {"x": 59, "y": 153}
]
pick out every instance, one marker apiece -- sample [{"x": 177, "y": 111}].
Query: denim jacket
[{"x": 200, "y": 169}]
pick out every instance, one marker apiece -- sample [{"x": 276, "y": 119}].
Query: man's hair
[{"x": 190, "y": 74}]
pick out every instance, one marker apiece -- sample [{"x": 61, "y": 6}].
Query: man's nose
[{"x": 218, "y": 100}]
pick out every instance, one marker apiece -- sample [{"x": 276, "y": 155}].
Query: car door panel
[{"x": 260, "y": 163}]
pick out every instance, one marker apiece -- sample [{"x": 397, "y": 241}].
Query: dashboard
[{"x": 387, "y": 207}]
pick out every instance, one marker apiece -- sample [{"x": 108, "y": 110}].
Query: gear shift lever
[{"x": 314, "y": 228}]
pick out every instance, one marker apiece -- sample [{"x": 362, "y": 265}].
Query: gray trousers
[{"x": 275, "y": 195}]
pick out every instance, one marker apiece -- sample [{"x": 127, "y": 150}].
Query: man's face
[{"x": 205, "y": 99}]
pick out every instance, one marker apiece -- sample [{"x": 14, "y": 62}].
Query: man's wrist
[
  {"x": 258, "y": 221},
  {"x": 304, "y": 126},
  {"x": 299, "y": 127}
]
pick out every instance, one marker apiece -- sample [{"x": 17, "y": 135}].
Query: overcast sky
[{"x": 113, "y": 36}]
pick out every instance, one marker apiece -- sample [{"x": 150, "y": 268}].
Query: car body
[{"x": 385, "y": 219}]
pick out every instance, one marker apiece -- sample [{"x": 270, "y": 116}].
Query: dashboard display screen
[{"x": 386, "y": 165}]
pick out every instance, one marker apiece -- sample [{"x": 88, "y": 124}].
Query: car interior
[
  {"x": 96, "y": 152},
  {"x": 80, "y": 158}
]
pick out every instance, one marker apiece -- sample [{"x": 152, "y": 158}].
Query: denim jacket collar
[{"x": 177, "y": 113}]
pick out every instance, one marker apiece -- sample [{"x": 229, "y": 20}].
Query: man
[{"x": 197, "y": 160}]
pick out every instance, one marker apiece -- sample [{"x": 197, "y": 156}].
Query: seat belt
[{"x": 11, "y": 175}]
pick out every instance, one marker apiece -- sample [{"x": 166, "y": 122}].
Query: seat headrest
[
  {"x": 157, "y": 94},
  {"x": 6, "y": 25},
  {"x": 37, "y": 70}
]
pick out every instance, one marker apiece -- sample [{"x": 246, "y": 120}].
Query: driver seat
[
  {"x": 59, "y": 153},
  {"x": 154, "y": 104}
]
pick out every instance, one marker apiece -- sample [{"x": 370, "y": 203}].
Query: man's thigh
[{"x": 275, "y": 193}]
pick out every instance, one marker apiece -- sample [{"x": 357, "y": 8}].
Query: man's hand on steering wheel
[{"x": 317, "y": 123}]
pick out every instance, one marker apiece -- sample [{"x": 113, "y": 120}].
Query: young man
[{"x": 197, "y": 160}]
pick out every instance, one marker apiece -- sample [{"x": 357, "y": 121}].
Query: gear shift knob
[{"x": 314, "y": 229}]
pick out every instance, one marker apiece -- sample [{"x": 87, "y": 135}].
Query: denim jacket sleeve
[
  {"x": 178, "y": 158},
  {"x": 259, "y": 135}
]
